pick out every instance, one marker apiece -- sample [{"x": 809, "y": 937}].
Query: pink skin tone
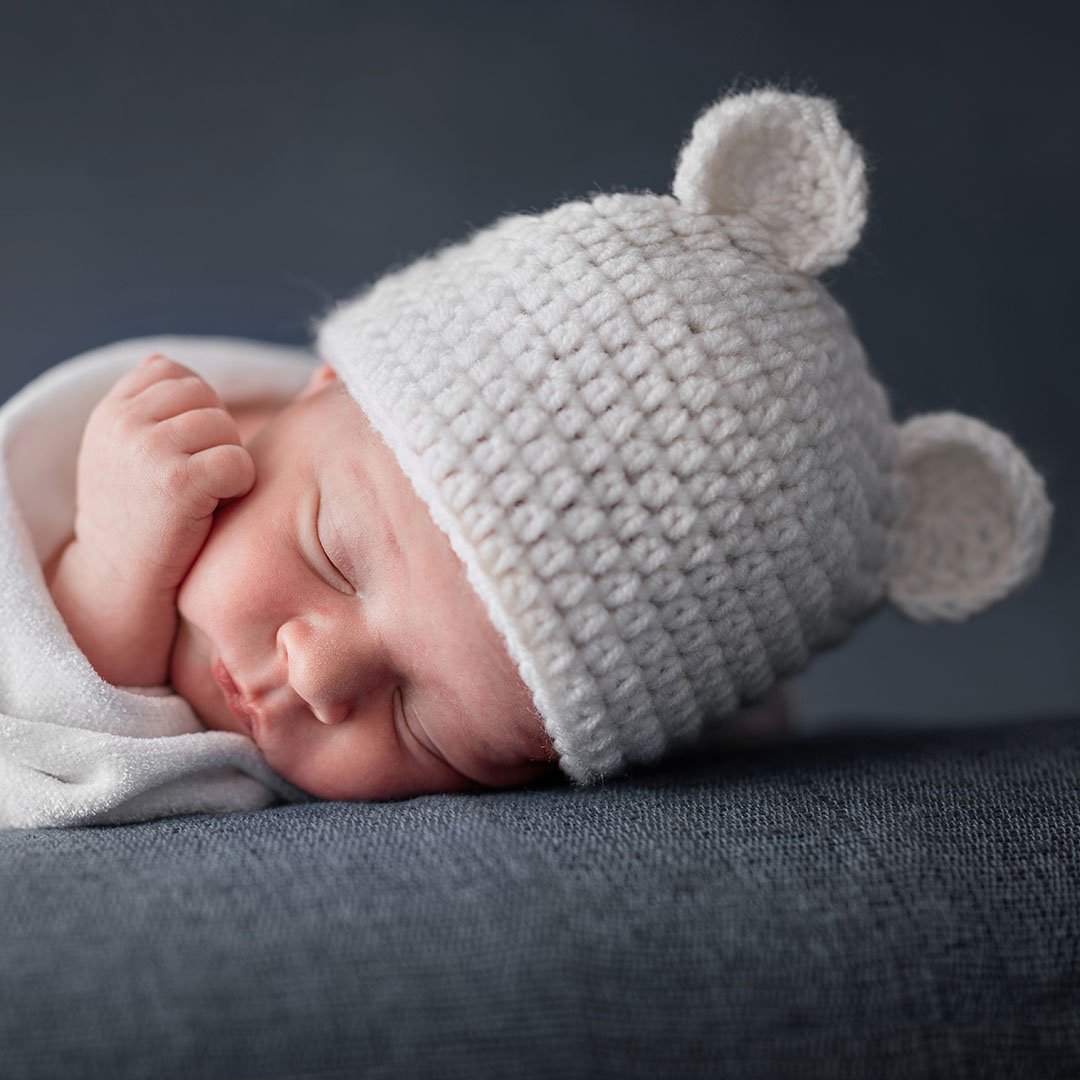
[{"x": 298, "y": 592}]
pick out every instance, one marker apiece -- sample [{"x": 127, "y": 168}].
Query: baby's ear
[
  {"x": 322, "y": 375},
  {"x": 784, "y": 160},
  {"x": 975, "y": 522}
]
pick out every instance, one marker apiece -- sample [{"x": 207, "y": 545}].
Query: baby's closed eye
[{"x": 329, "y": 538}]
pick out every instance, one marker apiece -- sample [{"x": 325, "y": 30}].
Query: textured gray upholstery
[{"x": 842, "y": 906}]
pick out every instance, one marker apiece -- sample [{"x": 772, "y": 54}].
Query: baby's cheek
[
  {"x": 354, "y": 760},
  {"x": 495, "y": 754},
  {"x": 190, "y": 677}
]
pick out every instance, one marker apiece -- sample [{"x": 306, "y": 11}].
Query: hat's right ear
[
  {"x": 784, "y": 160},
  {"x": 975, "y": 522}
]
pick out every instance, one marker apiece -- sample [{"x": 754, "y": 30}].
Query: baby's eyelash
[
  {"x": 334, "y": 566},
  {"x": 326, "y": 554}
]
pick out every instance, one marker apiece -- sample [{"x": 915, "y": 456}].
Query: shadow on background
[{"x": 854, "y": 743}]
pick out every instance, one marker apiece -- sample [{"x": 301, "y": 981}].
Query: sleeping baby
[
  {"x": 293, "y": 589},
  {"x": 566, "y": 497}
]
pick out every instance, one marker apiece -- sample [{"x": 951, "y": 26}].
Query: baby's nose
[
  {"x": 331, "y": 670},
  {"x": 332, "y": 713}
]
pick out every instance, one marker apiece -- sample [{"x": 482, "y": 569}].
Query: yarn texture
[{"x": 656, "y": 444}]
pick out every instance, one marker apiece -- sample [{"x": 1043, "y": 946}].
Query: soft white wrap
[{"x": 73, "y": 748}]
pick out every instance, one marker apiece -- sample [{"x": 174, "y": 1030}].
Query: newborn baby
[
  {"x": 291, "y": 587},
  {"x": 572, "y": 493}
]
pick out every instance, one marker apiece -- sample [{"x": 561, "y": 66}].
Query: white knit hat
[{"x": 654, "y": 440}]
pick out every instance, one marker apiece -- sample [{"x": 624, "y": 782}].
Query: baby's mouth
[{"x": 233, "y": 698}]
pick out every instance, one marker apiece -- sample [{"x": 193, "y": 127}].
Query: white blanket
[{"x": 73, "y": 748}]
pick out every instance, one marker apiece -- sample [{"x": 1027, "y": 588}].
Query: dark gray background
[{"x": 230, "y": 168}]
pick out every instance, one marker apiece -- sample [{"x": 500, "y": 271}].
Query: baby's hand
[{"x": 159, "y": 452}]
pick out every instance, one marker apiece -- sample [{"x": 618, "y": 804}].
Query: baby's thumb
[{"x": 221, "y": 472}]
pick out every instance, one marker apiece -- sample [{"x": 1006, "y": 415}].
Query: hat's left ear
[
  {"x": 975, "y": 522},
  {"x": 784, "y": 160}
]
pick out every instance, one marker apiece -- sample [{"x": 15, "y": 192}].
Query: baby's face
[{"x": 366, "y": 665}]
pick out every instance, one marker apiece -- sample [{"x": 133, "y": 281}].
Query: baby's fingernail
[{"x": 146, "y": 359}]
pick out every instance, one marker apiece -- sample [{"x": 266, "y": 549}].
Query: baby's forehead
[{"x": 332, "y": 432}]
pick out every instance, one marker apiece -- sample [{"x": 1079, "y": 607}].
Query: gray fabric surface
[{"x": 844, "y": 906}]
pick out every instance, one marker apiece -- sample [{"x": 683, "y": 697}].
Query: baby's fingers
[
  {"x": 198, "y": 430},
  {"x": 150, "y": 370},
  {"x": 171, "y": 397},
  {"x": 221, "y": 472}
]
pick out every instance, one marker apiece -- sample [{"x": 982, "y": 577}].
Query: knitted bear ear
[
  {"x": 975, "y": 523},
  {"x": 784, "y": 160}
]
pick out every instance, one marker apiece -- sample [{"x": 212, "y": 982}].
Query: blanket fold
[{"x": 75, "y": 750}]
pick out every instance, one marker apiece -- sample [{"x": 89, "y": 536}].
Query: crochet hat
[{"x": 654, "y": 440}]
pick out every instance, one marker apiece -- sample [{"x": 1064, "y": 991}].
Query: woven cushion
[{"x": 901, "y": 905}]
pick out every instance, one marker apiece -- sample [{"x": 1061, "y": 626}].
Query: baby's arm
[{"x": 158, "y": 454}]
